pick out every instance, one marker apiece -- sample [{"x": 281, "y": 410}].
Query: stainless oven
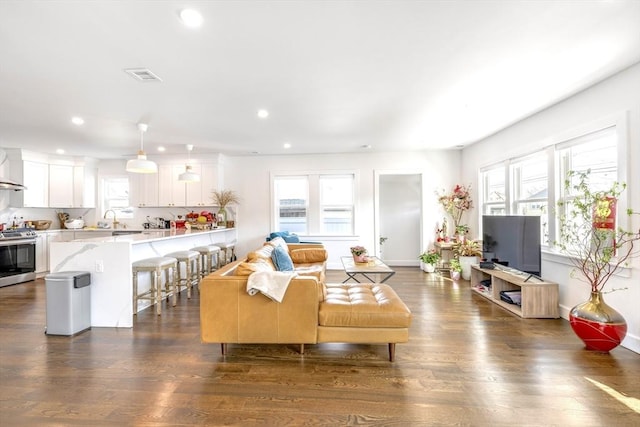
[{"x": 17, "y": 256}]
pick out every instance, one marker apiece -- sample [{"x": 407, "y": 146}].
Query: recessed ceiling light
[
  {"x": 161, "y": 149},
  {"x": 59, "y": 151},
  {"x": 287, "y": 145},
  {"x": 191, "y": 18},
  {"x": 263, "y": 114},
  {"x": 78, "y": 121},
  {"x": 365, "y": 146}
]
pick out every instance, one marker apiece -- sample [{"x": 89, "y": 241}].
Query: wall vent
[{"x": 142, "y": 74}]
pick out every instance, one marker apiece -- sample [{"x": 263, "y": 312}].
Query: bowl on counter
[
  {"x": 74, "y": 224},
  {"x": 41, "y": 224}
]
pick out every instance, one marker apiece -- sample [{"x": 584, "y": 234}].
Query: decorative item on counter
[
  {"x": 223, "y": 198},
  {"x": 63, "y": 217},
  {"x": 41, "y": 224}
]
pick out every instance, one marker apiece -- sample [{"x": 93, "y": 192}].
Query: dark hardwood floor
[{"x": 468, "y": 362}]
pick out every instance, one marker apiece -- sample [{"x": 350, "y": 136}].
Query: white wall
[
  {"x": 250, "y": 177},
  {"x": 616, "y": 95}
]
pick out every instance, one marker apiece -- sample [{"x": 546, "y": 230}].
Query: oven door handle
[{"x": 17, "y": 242}]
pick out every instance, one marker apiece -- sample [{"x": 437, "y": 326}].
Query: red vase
[{"x": 599, "y": 326}]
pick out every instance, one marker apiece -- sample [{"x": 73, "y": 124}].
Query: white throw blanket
[{"x": 272, "y": 284}]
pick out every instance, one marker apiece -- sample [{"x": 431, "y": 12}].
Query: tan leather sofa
[{"x": 311, "y": 311}]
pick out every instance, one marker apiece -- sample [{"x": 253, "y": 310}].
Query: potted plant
[
  {"x": 467, "y": 253},
  {"x": 597, "y": 248},
  {"x": 456, "y": 269},
  {"x": 222, "y": 198},
  {"x": 429, "y": 260},
  {"x": 359, "y": 253}
]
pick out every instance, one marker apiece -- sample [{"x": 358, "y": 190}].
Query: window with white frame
[
  {"x": 115, "y": 197},
  {"x": 530, "y": 189},
  {"x": 494, "y": 191},
  {"x": 314, "y": 203},
  {"x": 528, "y": 179}
]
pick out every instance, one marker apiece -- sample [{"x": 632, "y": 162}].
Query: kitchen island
[{"x": 109, "y": 261}]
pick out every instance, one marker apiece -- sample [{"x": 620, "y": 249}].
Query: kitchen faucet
[{"x": 115, "y": 221}]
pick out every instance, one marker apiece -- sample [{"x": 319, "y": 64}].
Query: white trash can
[{"x": 68, "y": 302}]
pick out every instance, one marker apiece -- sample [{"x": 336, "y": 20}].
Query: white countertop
[{"x": 150, "y": 235}]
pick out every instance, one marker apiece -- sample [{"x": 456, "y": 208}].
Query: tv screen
[{"x": 512, "y": 241}]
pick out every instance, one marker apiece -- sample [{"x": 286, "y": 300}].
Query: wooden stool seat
[
  {"x": 191, "y": 261},
  {"x": 207, "y": 255},
  {"x": 156, "y": 266}
]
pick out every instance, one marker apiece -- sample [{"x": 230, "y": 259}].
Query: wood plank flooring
[{"x": 468, "y": 362}]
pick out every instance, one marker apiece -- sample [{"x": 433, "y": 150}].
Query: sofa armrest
[{"x": 228, "y": 314}]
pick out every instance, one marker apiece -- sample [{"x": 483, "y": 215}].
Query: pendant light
[
  {"x": 188, "y": 175},
  {"x": 141, "y": 164}
]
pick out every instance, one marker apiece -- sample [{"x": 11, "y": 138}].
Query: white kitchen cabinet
[
  {"x": 173, "y": 192},
  {"x": 84, "y": 186},
  {"x": 42, "y": 254},
  {"x": 34, "y": 176},
  {"x": 60, "y": 186},
  {"x": 144, "y": 188},
  {"x": 199, "y": 193}
]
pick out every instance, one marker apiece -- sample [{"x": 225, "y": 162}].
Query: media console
[{"x": 539, "y": 299}]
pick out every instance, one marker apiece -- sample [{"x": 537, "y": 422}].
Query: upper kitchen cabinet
[
  {"x": 54, "y": 183},
  {"x": 172, "y": 191},
  {"x": 35, "y": 176},
  {"x": 144, "y": 188},
  {"x": 199, "y": 193}
]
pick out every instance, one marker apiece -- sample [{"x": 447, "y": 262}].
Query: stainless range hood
[{"x": 7, "y": 184}]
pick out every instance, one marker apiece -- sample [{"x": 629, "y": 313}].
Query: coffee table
[{"x": 374, "y": 266}]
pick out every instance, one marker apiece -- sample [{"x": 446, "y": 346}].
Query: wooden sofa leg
[
  {"x": 392, "y": 351},
  {"x": 223, "y": 348},
  {"x": 301, "y": 348}
]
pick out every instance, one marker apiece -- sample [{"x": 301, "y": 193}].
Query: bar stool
[
  {"x": 156, "y": 266},
  {"x": 207, "y": 255},
  {"x": 228, "y": 250},
  {"x": 191, "y": 261}
]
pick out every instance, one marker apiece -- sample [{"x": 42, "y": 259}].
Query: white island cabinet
[{"x": 109, "y": 261}]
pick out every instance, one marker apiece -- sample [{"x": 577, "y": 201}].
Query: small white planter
[
  {"x": 455, "y": 275},
  {"x": 429, "y": 268},
  {"x": 465, "y": 263}
]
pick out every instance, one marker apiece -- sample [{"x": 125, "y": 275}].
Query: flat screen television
[{"x": 512, "y": 241}]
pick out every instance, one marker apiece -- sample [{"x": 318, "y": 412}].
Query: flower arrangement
[
  {"x": 430, "y": 256},
  {"x": 222, "y": 198},
  {"x": 467, "y": 248},
  {"x": 358, "y": 250},
  {"x": 456, "y": 203}
]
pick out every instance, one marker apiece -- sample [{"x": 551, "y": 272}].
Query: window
[
  {"x": 314, "y": 203},
  {"x": 115, "y": 197},
  {"x": 530, "y": 190},
  {"x": 526, "y": 190},
  {"x": 292, "y": 201},
  {"x": 494, "y": 191}
]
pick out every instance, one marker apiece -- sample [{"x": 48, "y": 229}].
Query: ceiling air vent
[{"x": 142, "y": 74}]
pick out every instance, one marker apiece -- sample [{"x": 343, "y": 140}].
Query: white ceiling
[{"x": 334, "y": 75}]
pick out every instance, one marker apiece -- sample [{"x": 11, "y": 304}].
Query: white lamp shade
[
  {"x": 189, "y": 176},
  {"x": 141, "y": 165}
]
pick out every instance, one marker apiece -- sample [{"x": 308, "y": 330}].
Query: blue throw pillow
[
  {"x": 288, "y": 237},
  {"x": 281, "y": 259}
]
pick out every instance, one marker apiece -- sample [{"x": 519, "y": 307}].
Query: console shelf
[{"x": 539, "y": 298}]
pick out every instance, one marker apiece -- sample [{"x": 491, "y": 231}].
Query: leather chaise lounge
[{"x": 311, "y": 311}]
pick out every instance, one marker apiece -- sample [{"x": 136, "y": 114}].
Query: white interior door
[{"x": 399, "y": 218}]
